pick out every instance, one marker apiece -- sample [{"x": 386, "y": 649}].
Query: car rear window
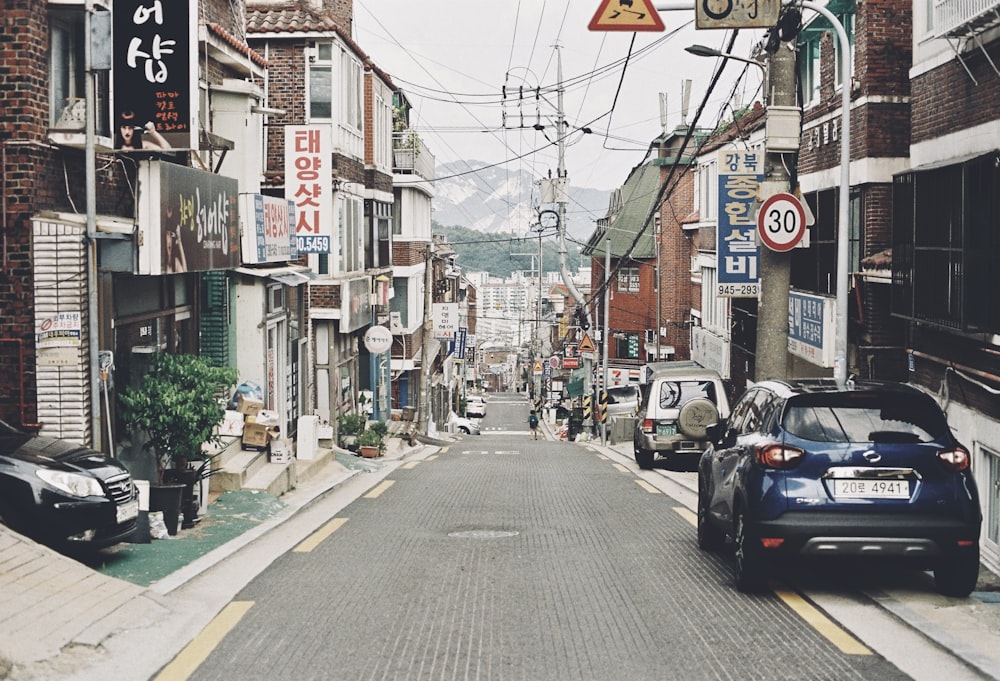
[
  {"x": 864, "y": 417},
  {"x": 675, "y": 393},
  {"x": 624, "y": 394}
]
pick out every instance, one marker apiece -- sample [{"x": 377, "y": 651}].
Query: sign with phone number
[{"x": 313, "y": 244}]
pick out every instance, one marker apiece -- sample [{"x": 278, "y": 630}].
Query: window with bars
[
  {"x": 628, "y": 279},
  {"x": 946, "y": 242}
]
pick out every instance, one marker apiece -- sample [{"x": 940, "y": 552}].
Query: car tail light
[
  {"x": 955, "y": 460},
  {"x": 647, "y": 426},
  {"x": 775, "y": 455}
]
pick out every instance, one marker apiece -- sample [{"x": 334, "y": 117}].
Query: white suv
[
  {"x": 679, "y": 401},
  {"x": 475, "y": 405}
]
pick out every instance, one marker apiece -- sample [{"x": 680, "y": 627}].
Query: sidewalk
[
  {"x": 52, "y": 605},
  {"x": 967, "y": 627}
]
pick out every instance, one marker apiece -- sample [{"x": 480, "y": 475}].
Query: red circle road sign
[{"x": 781, "y": 222}]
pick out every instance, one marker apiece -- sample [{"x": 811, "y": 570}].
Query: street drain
[{"x": 482, "y": 534}]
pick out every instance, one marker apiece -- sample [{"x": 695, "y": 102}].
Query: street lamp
[{"x": 705, "y": 51}]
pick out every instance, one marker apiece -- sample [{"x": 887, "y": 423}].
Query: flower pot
[
  {"x": 167, "y": 498},
  {"x": 369, "y": 452}
]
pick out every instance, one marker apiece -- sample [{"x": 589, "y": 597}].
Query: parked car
[
  {"x": 475, "y": 405},
  {"x": 807, "y": 468},
  {"x": 678, "y": 402},
  {"x": 623, "y": 399},
  {"x": 62, "y": 494},
  {"x": 465, "y": 425}
]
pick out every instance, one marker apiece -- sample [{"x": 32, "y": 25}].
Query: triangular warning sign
[
  {"x": 586, "y": 345},
  {"x": 626, "y": 15},
  {"x": 537, "y": 367}
]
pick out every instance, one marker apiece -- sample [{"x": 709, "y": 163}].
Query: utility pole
[
  {"x": 423, "y": 413},
  {"x": 772, "y": 356},
  {"x": 562, "y": 180}
]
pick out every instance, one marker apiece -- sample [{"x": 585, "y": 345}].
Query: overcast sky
[{"x": 454, "y": 59}]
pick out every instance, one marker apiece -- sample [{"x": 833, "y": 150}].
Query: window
[
  {"x": 809, "y": 68},
  {"x": 350, "y": 233},
  {"x": 352, "y": 99},
  {"x": 815, "y": 268},
  {"x": 67, "y": 108},
  {"x": 847, "y": 21},
  {"x": 321, "y": 83},
  {"x": 708, "y": 189},
  {"x": 946, "y": 238},
  {"x": 628, "y": 279}
]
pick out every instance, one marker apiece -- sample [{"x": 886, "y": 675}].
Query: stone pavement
[
  {"x": 968, "y": 627},
  {"x": 53, "y": 608},
  {"x": 51, "y": 604}
]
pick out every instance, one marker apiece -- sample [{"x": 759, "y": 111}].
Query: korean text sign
[
  {"x": 154, "y": 67},
  {"x": 740, "y": 173},
  {"x": 309, "y": 185}
]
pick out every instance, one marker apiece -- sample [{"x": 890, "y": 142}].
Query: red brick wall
[
  {"x": 945, "y": 100},
  {"x": 677, "y": 296}
]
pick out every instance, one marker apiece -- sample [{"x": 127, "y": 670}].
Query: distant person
[{"x": 533, "y": 424}]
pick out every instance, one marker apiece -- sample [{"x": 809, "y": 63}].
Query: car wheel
[
  {"x": 463, "y": 430},
  {"x": 10, "y": 520},
  {"x": 644, "y": 458},
  {"x": 696, "y": 416},
  {"x": 710, "y": 538},
  {"x": 750, "y": 564},
  {"x": 957, "y": 576}
]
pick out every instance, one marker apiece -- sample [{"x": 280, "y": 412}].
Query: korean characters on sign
[
  {"x": 309, "y": 185},
  {"x": 740, "y": 173}
]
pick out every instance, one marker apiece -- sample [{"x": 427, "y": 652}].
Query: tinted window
[
  {"x": 865, "y": 417},
  {"x": 623, "y": 394},
  {"x": 675, "y": 393}
]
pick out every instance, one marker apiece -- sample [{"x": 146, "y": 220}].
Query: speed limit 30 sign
[{"x": 781, "y": 222}]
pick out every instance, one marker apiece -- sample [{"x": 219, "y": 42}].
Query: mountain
[{"x": 493, "y": 199}]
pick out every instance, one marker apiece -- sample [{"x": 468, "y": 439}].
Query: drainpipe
[{"x": 90, "y": 160}]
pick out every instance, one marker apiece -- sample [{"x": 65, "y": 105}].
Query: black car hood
[{"x": 50, "y": 452}]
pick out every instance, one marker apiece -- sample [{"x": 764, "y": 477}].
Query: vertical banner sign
[
  {"x": 309, "y": 184},
  {"x": 736, "y": 241},
  {"x": 155, "y": 44},
  {"x": 445, "y": 320},
  {"x": 267, "y": 229},
  {"x": 460, "y": 343}
]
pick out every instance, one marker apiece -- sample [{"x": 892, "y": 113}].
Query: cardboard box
[
  {"x": 254, "y": 435},
  {"x": 281, "y": 451},
  {"x": 232, "y": 424},
  {"x": 248, "y": 405}
]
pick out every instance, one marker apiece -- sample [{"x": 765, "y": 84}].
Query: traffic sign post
[{"x": 781, "y": 222}]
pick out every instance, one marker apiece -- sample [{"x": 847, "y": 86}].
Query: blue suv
[{"x": 870, "y": 469}]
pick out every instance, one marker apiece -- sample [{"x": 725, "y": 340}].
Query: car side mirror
[{"x": 720, "y": 434}]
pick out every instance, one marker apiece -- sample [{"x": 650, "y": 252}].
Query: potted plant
[
  {"x": 176, "y": 406},
  {"x": 349, "y": 426},
  {"x": 369, "y": 444}
]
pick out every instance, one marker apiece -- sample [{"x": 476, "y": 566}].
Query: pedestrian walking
[{"x": 533, "y": 424}]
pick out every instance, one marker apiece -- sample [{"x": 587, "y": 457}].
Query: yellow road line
[
  {"x": 410, "y": 464},
  {"x": 813, "y": 616},
  {"x": 821, "y": 623},
  {"x": 621, "y": 468},
  {"x": 195, "y": 652},
  {"x": 431, "y": 457},
  {"x": 687, "y": 514},
  {"x": 313, "y": 540},
  {"x": 377, "y": 491},
  {"x": 646, "y": 486}
]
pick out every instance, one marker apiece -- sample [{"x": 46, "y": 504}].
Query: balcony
[
  {"x": 962, "y": 18},
  {"x": 410, "y": 156},
  {"x": 963, "y": 21}
]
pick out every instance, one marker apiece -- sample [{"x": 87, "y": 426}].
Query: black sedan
[{"x": 62, "y": 494}]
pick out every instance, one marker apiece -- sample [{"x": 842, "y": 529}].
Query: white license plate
[
  {"x": 871, "y": 489},
  {"x": 128, "y": 511},
  {"x": 666, "y": 430}
]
